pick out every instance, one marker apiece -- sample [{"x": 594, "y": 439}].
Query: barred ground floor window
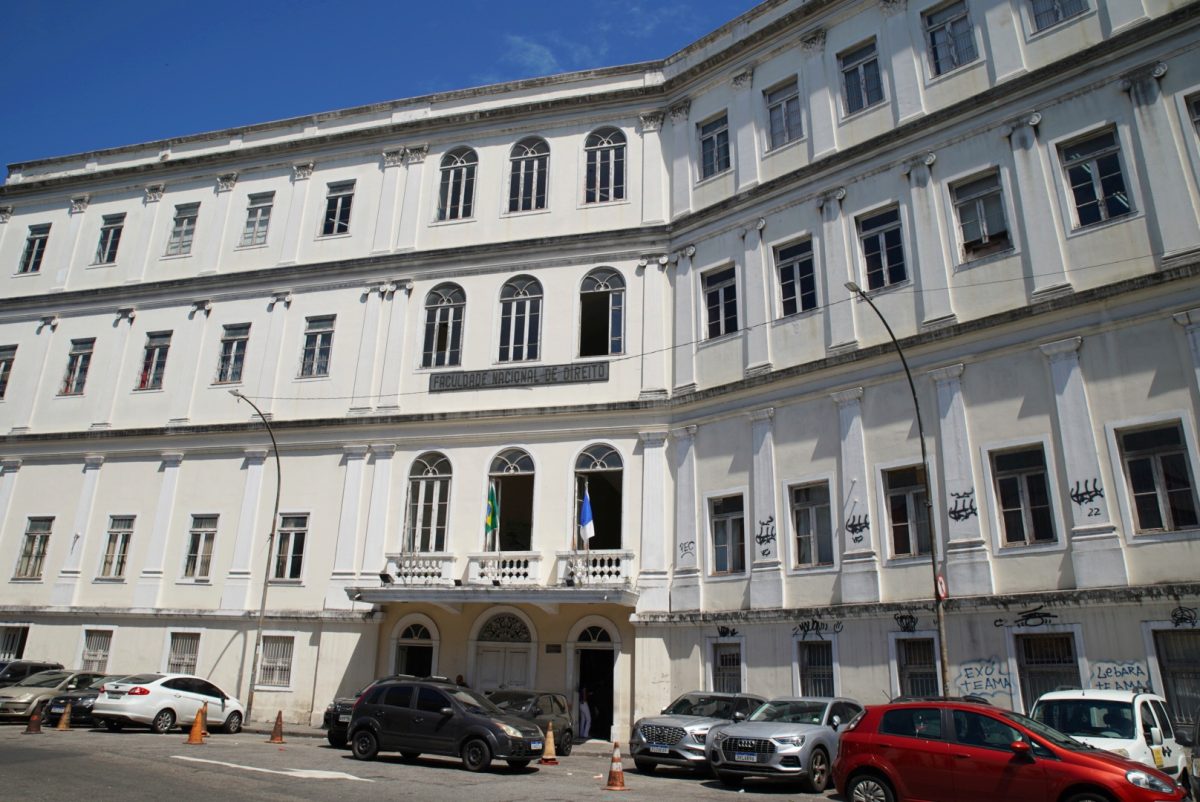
[
  {"x": 12, "y": 642},
  {"x": 727, "y": 667},
  {"x": 815, "y": 660},
  {"x": 184, "y": 648},
  {"x": 1179, "y": 662},
  {"x": 1046, "y": 663},
  {"x": 916, "y": 667},
  {"x": 276, "y": 666},
  {"x": 96, "y": 646}
]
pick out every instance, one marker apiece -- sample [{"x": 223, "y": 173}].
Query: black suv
[
  {"x": 337, "y": 714},
  {"x": 13, "y": 671},
  {"x": 423, "y": 716}
]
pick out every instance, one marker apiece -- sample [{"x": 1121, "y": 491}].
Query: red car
[{"x": 959, "y": 751}]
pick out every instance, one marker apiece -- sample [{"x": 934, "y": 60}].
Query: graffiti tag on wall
[
  {"x": 1120, "y": 675},
  {"x": 963, "y": 507},
  {"x": 986, "y": 676}
]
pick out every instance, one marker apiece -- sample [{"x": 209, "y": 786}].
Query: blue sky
[{"x": 84, "y": 75}]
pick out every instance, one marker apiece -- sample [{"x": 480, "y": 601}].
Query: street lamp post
[
  {"x": 938, "y": 610},
  {"x": 262, "y": 605}
]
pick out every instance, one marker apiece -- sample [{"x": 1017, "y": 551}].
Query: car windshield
[
  {"x": 789, "y": 712},
  {"x": 702, "y": 704},
  {"x": 1087, "y": 718},
  {"x": 1049, "y": 733},
  {"x": 44, "y": 679},
  {"x": 473, "y": 702},
  {"x": 510, "y": 700}
]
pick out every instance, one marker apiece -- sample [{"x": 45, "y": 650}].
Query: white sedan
[{"x": 164, "y": 701}]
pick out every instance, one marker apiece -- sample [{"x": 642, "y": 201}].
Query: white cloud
[{"x": 535, "y": 58}]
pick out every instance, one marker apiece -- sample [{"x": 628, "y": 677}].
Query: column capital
[
  {"x": 743, "y": 78},
  {"x": 11, "y": 465},
  {"x": 948, "y": 373},
  {"x": 355, "y": 451},
  {"x": 5, "y": 213},
  {"x": 844, "y": 397},
  {"x": 1031, "y": 120},
  {"x": 48, "y": 321},
  {"x": 280, "y": 297},
  {"x": 764, "y": 414},
  {"x": 415, "y": 154},
  {"x": 684, "y": 433},
  {"x": 662, "y": 260},
  {"x": 813, "y": 42},
  {"x": 393, "y": 158},
  {"x": 912, "y": 165},
  {"x": 383, "y": 449},
  {"x": 255, "y": 455},
  {"x": 226, "y": 182},
  {"x": 1061, "y": 349},
  {"x": 652, "y": 439},
  {"x": 153, "y": 193},
  {"x": 204, "y": 306},
  {"x": 651, "y": 121},
  {"x": 679, "y": 111},
  {"x": 92, "y": 462},
  {"x": 302, "y": 171},
  {"x": 832, "y": 196},
  {"x": 891, "y": 7},
  {"x": 125, "y": 313},
  {"x": 1146, "y": 72},
  {"x": 79, "y": 203},
  {"x": 171, "y": 459}
]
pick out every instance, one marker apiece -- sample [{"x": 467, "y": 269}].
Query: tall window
[
  {"x": 916, "y": 667},
  {"x": 276, "y": 661},
  {"x": 529, "y": 173},
  {"x": 604, "y": 150},
  {"x": 233, "y": 353},
  {"x": 444, "y": 308},
  {"x": 1093, "y": 168},
  {"x": 980, "y": 208},
  {"x": 110, "y": 239},
  {"x": 1045, "y": 663},
  {"x": 33, "y": 548},
  {"x": 318, "y": 346},
  {"x": 428, "y": 503},
  {"x": 814, "y": 529},
  {"x": 511, "y": 477},
  {"x": 8, "y": 355},
  {"x": 1023, "y": 495},
  {"x": 720, "y": 300},
  {"x": 728, "y": 535},
  {"x": 602, "y": 313},
  {"x": 258, "y": 219},
  {"x": 289, "y": 547},
  {"x": 783, "y": 113},
  {"x": 797, "y": 279},
  {"x": 35, "y": 248},
  {"x": 598, "y": 472},
  {"x": 1160, "y": 478},
  {"x": 414, "y": 651},
  {"x": 116, "y": 551},
  {"x": 96, "y": 646},
  {"x": 714, "y": 146},
  {"x": 1052, "y": 12},
  {"x": 337, "y": 209},
  {"x": 814, "y": 659},
  {"x": 951, "y": 38},
  {"x": 727, "y": 667},
  {"x": 12, "y": 642},
  {"x": 860, "y": 78},
  {"x": 78, "y": 362},
  {"x": 154, "y": 360},
  {"x": 520, "y": 319},
  {"x": 456, "y": 193},
  {"x": 203, "y": 534},
  {"x": 182, "y": 653},
  {"x": 908, "y": 514},
  {"x": 1178, "y": 653},
  {"x": 183, "y": 229},
  {"x": 883, "y": 248}
]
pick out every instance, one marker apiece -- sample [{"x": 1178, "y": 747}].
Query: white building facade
[{"x": 630, "y": 283}]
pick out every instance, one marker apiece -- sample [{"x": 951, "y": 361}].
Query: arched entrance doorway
[
  {"x": 504, "y": 653},
  {"x": 414, "y": 646},
  {"x": 595, "y": 644}
]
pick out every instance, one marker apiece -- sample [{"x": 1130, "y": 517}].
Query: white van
[{"x": 1132, "y": 724}]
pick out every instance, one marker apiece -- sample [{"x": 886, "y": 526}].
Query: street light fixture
[
  {"x": 262, "y": 605},
  {"x": 939, "y": 612}
]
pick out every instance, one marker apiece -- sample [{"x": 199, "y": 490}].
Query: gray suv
[
  {"x": 439, "y": 718},
  {"x": 676, "y": 738},
  {"x": 13, "y": 671}
]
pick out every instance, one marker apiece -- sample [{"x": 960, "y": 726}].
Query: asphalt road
[{"x": 137, "y": 765}]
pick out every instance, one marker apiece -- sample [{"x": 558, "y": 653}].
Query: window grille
[
  {"x": 917, "y": 667},
  {"x": 815, "y": 660},
  {"x": 727, "y": 667},
  {"x": 1046, "y": 663},
  {"x": 181, "y": 658},
  {"x": 1179, "y": 662},
  {"x": 12, "y": 642},
  {"x": 276, "y": 669},
  {"x": 96, "y": 643}
]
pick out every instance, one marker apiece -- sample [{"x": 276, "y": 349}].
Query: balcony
[
  {"x": 429, "y": 568},
  {"x": 505, "y": 568},
  {"x": 601, "y": 569}
]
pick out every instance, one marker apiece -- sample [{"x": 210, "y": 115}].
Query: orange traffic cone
[
  {"x": 64, "y": 721},
  {"x": 196, "y": 735},
  {"x": 277, "y": 732},
  {"x": 548, "y": 756},
  {"x": 34, "y": 727},
  {"x": 616, "y": 774},
  {"x": 204, "y": 720}
]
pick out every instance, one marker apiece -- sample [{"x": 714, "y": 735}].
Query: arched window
[
  {"x": 456, "y": 197},
  {"x": 511, "y": 477},
  {"x": 520, "y": 319},
  {"x": 602, "y": 313},
  {"x": 595, "y": 635},
  {"x": 428, "y": 503},
  {"x": 505, "y": 628},
  {"x": 598, "y": 473},
  {"x": 605, "y": 151},
  {"x": 414, "y": 651},
  {"x": 528, "y": 175},
  {"x": 444, "y": 308}
]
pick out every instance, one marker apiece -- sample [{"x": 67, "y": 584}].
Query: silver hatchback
[{"x": 790, "y": 737}]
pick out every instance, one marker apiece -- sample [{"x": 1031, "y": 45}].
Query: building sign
[{"x": 534, "y": 375}]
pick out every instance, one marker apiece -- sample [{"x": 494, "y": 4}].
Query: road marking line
[{"x": 303, "y": 774}]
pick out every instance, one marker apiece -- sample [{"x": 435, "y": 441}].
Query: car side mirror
[
  {"x": 71, "y": 686},
  {"x": 1021, "y": 749},
  {"x": 447, "y": 711},
  {"x": 537, "y": 711},
  {"x": 835, "y": 722},
  {"x": 1156, "y": 738},
  {"x": 739, "y": 716}
]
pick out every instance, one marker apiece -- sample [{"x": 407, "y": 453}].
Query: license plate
[
  {"x": 535, "y": 744},
  {"x": 342, "y": 719},
  {"x": 56, "y": 709},
  {"x": 745, "y": 757},
  {"x": 660, "y": 750}
]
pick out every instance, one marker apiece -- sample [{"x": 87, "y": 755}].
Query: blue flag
[{"x": 587, "y": 530}]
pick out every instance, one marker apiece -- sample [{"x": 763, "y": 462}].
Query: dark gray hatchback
[{"x": 439, "y": 718}]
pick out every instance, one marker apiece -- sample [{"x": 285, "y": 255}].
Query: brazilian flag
[{"x": 491, "y": 521}]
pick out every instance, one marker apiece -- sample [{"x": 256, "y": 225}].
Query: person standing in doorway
[{"x": 585, "y": 713}]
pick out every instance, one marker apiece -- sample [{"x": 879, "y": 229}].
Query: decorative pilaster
[
  {"x": 685, "y": 585},
  {"x": 149, "y": 584},
  {"x": 235, "y": 595},
  {"x": 1190, "y": 320},
  {"x": 66, "y": 587},
  {"x": 766, "y": 578},
  {"x": 683, "y": 351},
  {"x": 860, "y": 566},
  {"x": 389, "y": 188},
  {"x": 185, "y": 351},
  {"x": 823, "y": 96},
  {"x": 8, "y": 480},
  {"x": 373, "y": 297},
  {"x": 268, "y": 372},
  {"x": 395, "y": 346},
  {"x": 344, "y": 574},
  {"x": 209, "y": 250},
  {"x": 35, "y": 352},
  {"x": 297, "y": 208},
  {"x": 653, "y": 581},
  {"x": 745, "y": 137},
  {"x": 655, "y": 175},
  {"x": 106, "y": 379},
  {"x": 410, "y": 211},
  {"x": 681, "y": 160},
  {"x": 835, "y": 255},
  {"x": 1044, "y": 254},
  {"x": 930, "y": 257},
  {"x": 758, "y": 299},
  {"x": 375, "y": 545},
  {"x": 908, "y": 88},
  {"x": 655, "y": 323}
]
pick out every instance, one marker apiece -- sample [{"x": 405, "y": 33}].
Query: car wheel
[
  {"x": 233, "y": 724},
  {"x": 336, "y": 739},
  {"x": 563, "y": 746},
  {"x": 644, "y": 766},
  {"x": 869, "y": 788},
  {"x": 818, "y": 770},
  {"x": 1089, "y": 796},
  {"x": 114, "y": 726},
  {"x": 410, "y": 755},
  {"x": 163, "y": 722},
  {"x": 729, "y": 780},
  {"x": 517, "y": 764},
  {"x": 476, "y": 756},
  {"x": 365, "y": 745}
]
